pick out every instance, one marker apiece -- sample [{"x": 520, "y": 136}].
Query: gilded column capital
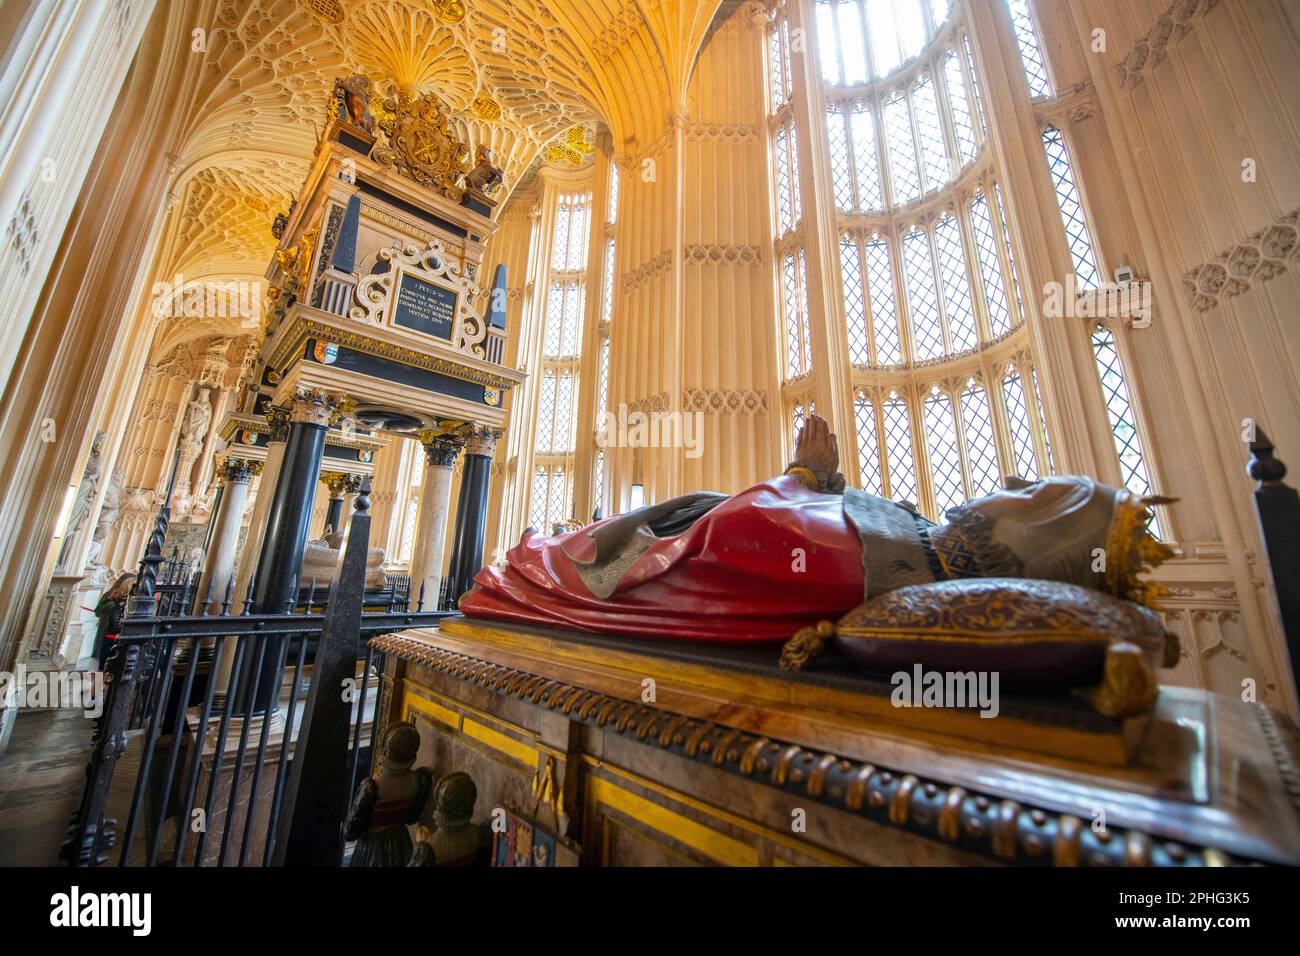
[
  {"x": 238, "y": 470},
  {"x": 334, "y": 481},
  {"x": 278, "y": 419},
  {"x": 481, "y": 440},
  {"x": 314, "y": 407},
  {"x": 442, "y": 450}
]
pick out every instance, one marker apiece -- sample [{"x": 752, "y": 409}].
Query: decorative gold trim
[{"x": 993, "y": 826}]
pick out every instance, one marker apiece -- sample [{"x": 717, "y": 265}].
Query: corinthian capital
[
  {"x": 313, "y": 406},
  {"x": 481, "y": 440},
  {"x": 239, "y": 469}
]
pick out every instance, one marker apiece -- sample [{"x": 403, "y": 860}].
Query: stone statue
[
  {"x": 485, "y": 177},
  {"x": 320, "y": 562},
  {"x": 198, "y": 417},
  {"x": 454, "y": 839},
  {"x": 84, "y": 498},
  {"x": 798, "y": 549},
  {"x": 109, "y": 511},
  {"x": 354, "y": 93},
  {"x": 388, "y": 802}
]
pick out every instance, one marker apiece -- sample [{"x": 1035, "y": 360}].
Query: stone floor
[{"x": 41, "y": 778}]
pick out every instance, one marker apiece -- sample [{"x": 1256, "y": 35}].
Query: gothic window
[
  {"x": 555, "y": 442},
  {"x": 794, "y": 297},
  {"x": 864, "y": 413},
  {"x": 1123, "y": 419},
  {"x": 903, "y": 170},
  {"x": 1077, "y": 236},
  {"x": 898, "y": 450},
  {"x": 855, "y": 313},
  {"x": 995, "y": 298},
  {"x": 1031, "y": 54},
  {"x": 1022, "y": 437},
  {"x": 778, "y": 52},
  {"x": 788, "y": 202},
  {"x": 607, "y": 287},
  {"x": 884, "y": 312},
  {"x": 956, "y": 286},
  {"x": 941, "y": 443},
  {"x": 929, "y": 133},
  {"x": 963, "y": 121},
  {"x": 983, "y": 475},
  {"x": 922, "y": 296}
]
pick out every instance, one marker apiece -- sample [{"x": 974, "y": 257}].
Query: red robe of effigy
[{"x": 757, "y": 567}]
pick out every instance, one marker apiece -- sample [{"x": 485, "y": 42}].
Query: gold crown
[{"x": 1132, "y": 550}]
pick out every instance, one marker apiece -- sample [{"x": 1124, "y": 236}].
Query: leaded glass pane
[
  {"x": 977, "y": 433},
  {"x": 868, "y": 455},
  {"x": 925, "y": 109},
  {"x": 546, "y": 414},
  {"x": 884, "y": 312},
  {"x": 560, "y": 235},
  {"x": 855, "y": 314},
  {"x": 795, "y": 321},
  {"x": 787, "y": 178},
  {"x": 866, "y": 165},
  {"x": 963, "y": 123},
  {"x": 1119, "y": 408},
  {"x": 1030, "y": 53},
  {"x": 1042, "y": 418},
  {"x": 853, "y": 48},
  {"x": 1072, "y": 216},
  {"x": 884, "y": 35},
  {"x": 956, "y": 285},
  {"x": 572, "y": 319},
  {"x": 537, "y": 507},
  {"x": 1022, "y": 436},
  {"x": 945, "y": 463},
  {"x": 898, "y": 451},
  {"x": 562, "y": 442},
  {"x": 840, "y": 171},
  {"x": 902, "y": 151},
  {"x": 827, "y": 47},
  {"x": 796, "y": 420},
  {"x": 974, "y": 83},
  {"x": 1011, "y": 260},
  {"x": 613, "y": 194},
  {"x": 995, "y": 296},
  {"x": 607, "y": 291},
  {"x": 598, "y": 480},
  {"x": 922, "y": 296},
  {"x": 602, "y": 391},
  {"x": 556, "y": 501},
  {"x": 554, "y": 321}
]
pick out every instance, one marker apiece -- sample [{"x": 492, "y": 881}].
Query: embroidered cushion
[{"x": 1035, "y": 634}]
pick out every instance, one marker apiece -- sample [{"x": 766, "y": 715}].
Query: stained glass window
[
  {"x": 868, "y": 455},
  {"x": 1119, "y": 409},
  {"x": 855, "y": 313},
  {"x": 1031, "y": 54},
  {"x": 898, "y": 450},
  {"x": 1077, "y": 236},
  {"x": 1022, "y": 438},
  {"x": 977, "y": 436},
  {"x": 922, "y": 296},
  {"x": 995, "y": 297},
  {"x": 956, "y": 286},
  {"x": 884, "y": 312}
]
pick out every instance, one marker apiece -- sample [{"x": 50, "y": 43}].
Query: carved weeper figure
[
  {"x": 455, "y": 839},
  {"x": 386, "y": 804}
]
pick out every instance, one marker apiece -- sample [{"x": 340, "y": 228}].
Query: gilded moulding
[{"x": 294, "y": 343}]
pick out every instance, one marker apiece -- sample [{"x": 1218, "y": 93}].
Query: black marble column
[
  {"x": 471, "y": 513},
  {"x": 287, "y": 526}
]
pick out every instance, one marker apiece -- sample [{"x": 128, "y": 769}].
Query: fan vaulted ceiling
[{"x": 252, "y": 99}]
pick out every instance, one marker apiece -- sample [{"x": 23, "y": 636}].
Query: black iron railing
[{"x": 211, "y": 723}]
